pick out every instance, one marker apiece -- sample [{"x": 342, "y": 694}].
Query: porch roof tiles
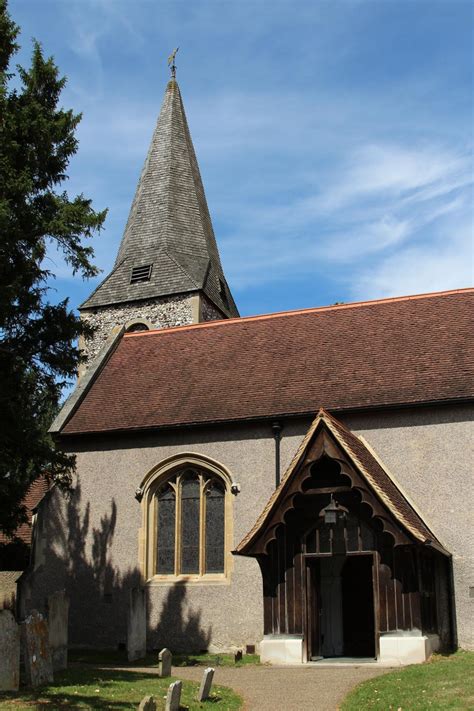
[{"x": 377, "y": 478}]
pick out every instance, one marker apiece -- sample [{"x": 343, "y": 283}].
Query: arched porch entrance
[
  {"x": 349, "y": 568},
  {"x": 341, "y": 607}
]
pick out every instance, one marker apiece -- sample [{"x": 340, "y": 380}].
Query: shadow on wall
[
  {"x": 70, "y": 554},
  {"x": 178, "y": 626}
]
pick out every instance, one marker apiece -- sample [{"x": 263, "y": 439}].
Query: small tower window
[
  {"x": 138, "y": 326},
  {"x": 142, "y": 273}
]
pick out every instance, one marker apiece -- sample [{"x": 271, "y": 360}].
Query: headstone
[
  {"x": 165, "y": 659},
  {"x": 238, "y": 656},
  {"x": 206, "y": 683},
  {"x": 173, "y": 696},
  {"x": 58, "y": 613},
  {"x": 9, "y": 652},
  {"x": 36, "y": 651},
  {"x": 136, "y": 625},
  {"x": 148, "y": 703}
]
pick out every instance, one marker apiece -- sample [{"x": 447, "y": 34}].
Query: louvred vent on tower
[{"x": 141, "y": 273}]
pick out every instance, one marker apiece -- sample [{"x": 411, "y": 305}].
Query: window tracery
[{"x": 187, "y": 524}]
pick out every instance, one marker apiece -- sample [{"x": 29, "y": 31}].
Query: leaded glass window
[
  {"x": 190, "y": 524},
  {"x": 190, "y": 509},
  {"x": 215, "y": 525},
  {"x": 166, "y": 502}
]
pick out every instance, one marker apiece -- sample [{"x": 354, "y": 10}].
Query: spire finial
[{"x": 171, "y": 62}]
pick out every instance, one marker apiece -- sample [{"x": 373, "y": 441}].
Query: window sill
[{"x": 167, "y": 580}]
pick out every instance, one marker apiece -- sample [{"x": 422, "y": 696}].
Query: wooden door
[{"x": 313, "y": 609}]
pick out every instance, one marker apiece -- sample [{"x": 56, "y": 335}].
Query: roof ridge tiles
[{"x": 295, "y": 312}]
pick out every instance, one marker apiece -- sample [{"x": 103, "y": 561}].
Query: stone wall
[
  {"x": 163, "y": 312},
  {"x": 209, "y": 312},
  {"x": 93, "y": 539}
]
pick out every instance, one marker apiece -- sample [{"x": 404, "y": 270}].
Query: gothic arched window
[{"x": 186, "y": 524}]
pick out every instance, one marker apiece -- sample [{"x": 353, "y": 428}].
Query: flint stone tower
[{"x": 168, "y": 270}]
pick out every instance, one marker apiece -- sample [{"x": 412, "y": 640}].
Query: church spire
[{"x": 168, "y": 246}]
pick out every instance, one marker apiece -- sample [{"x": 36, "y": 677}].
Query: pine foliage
[{"x": 37, "y": 336}]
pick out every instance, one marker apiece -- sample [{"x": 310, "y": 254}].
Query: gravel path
[{"x": 274, "y": 688}]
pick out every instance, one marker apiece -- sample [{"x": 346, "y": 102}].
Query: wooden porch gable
[{"x": 327, "y": 436}]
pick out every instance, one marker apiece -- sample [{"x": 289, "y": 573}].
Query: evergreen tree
[{"x": 37, "y": 336}]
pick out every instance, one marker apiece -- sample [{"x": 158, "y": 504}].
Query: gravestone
[
  {"x": 173, "y": 696},
  {"x": 165, "y": 660},
  {"x": 136, "y": 625},
  {"x": 58, "y": 613},
  {"x": 206, "y": 683},
  {"x": 147, "y": 704},
  {"x": 238, "y": 656},
  {"x": 36, "y": 650},
  {"x": 9, "y": 652}
]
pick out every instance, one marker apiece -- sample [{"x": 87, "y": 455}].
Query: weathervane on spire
[{"x": 171, "y": 62}]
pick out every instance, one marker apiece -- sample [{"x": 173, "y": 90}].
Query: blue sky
[{"x": 334, "y": 138}]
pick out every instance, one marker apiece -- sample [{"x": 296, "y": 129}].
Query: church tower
[{"x": 168, "y": 270}]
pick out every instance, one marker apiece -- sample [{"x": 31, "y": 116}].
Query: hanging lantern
[{"x": 332, "y": 512}]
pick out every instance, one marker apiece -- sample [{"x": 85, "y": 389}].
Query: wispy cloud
[
  {"x": 382, "y": 199},
  {"x": 334, "y": 142},
  {"x": 399, "y": 172},
  {"x": 446, "y": 261}
]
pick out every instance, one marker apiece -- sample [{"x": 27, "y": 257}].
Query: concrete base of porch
[
  {"x": 400, "y": 648},
  {"x": 282, "y": 649},
  {"x": 396, "y": 649}
]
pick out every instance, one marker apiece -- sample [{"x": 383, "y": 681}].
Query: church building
[{"x": 299, "y": 482}]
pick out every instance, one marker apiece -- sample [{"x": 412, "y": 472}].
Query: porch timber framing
[{"x": 328, "y": 437}]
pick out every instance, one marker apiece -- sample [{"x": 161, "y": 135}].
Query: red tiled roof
[
  {"x": 390, "y": 352},
  {"x": 33, "y": 496}
]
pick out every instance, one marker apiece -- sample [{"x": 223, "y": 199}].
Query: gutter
[
  {"x": 276, "y": 429},
  {"x": 309, "y": 414}
]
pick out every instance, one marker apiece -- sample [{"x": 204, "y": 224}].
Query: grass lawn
[
  {"x": 119, "y": 657},
  {"x": 445, "y": 682},
  {"x": 88, "y": 688},
  {"x": 213, "y": 660}
]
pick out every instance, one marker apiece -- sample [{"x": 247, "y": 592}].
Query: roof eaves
[
  {"x": 85, "y": 304},
  {"x": 408, "y": 498},
  {"x": 300, "y": 414},
  {"x": 327, "y": 419},
  {"x": 377, "y": 489}
]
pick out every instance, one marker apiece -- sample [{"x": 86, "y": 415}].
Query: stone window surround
[
  {"x": 147, "y": 537},
  {"x": 138, "y": 320}
]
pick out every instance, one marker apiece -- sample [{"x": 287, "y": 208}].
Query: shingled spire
[{"x": 168, "y": 247}]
